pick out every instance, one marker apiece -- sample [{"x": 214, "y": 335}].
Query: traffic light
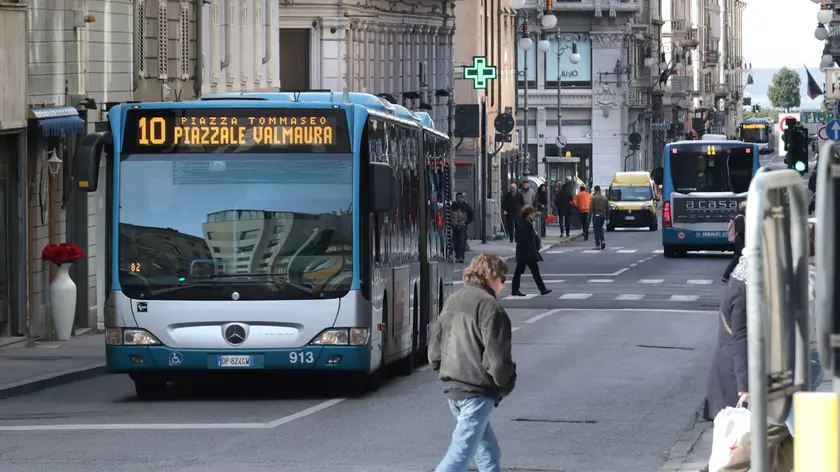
[{"x": 796, "y": 145}]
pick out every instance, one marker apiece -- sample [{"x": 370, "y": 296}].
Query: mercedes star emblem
[
  {"x": 235, "y": 333},
  {"x": 234, "y": 296}
]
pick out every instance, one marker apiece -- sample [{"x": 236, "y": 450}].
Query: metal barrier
[{"x": 777, "y": 244}]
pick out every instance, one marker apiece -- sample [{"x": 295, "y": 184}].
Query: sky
[{"x": 780, "y": 33}]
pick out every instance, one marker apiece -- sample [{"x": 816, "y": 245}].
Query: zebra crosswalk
[
  {"x": 582, "y": 280},
  {"x": 634, "y": 297},
  {"x": 616, "y": 250}
]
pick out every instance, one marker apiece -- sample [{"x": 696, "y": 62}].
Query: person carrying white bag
[{"x": 730, "y": 425}]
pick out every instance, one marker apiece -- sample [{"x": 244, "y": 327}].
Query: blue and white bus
[
  {"x": 704, "y": 181},
  {"x": 271, "y": 232},
  {"x": 758, "y": 131}
]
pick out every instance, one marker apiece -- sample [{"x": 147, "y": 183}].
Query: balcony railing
[
  {"x": 721, "y": 90},
  {"x": 680, "y": 84},
  {"x": 638, "y": 97},
  {"x": 625, "y": 6}
]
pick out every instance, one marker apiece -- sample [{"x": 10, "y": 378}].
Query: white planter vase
[{"x": 63, "y": 302}]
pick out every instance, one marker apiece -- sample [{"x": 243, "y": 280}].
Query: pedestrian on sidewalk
[
  {"x": 527, "y": 253},
  {"x": 727, "y": 382},
  {"x": 512, "y": 204},
  {"x": 582, "y": 201},
  {"x": 471, "y": 351},
  {"x": 462, "y": 215},
  {"x": 737, "y": 236},
  {"x": 529, "y": 196},
  {"x": 541, "y": 204},
  {"x": 563, "y": 207},
  {"x": 599, "y": 207}
]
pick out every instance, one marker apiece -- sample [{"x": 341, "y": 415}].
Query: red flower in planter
[{"x": 62, "y": 253}]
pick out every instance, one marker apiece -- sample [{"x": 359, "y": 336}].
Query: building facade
[
  {"x": 605, "y": 97},
  {"x": 485, "y": 29}
]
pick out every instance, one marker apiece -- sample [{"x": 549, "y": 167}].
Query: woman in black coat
[
  {"x": 527, "y": 252},
  {"x": 728, "y": 374}
]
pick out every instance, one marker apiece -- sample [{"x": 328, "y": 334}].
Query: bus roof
[
  {"x": 717, "y": 141},
  {"x": 371, "y": 102}
]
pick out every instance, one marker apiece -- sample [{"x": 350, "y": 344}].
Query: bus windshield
[
  {"x": 754, "y": 133},
  {"x": 694, "y": 169},
  {"x": 267, "y": 226}
]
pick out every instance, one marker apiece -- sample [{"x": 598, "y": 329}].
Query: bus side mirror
[
  {"x": 86, "y": 161},
  {"x": 383, "y": 184}
]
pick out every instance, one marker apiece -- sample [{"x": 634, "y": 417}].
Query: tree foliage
[{"x": 784, "y": 89}]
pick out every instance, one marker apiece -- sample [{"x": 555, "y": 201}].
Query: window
[{"x": 571, "y": 75}]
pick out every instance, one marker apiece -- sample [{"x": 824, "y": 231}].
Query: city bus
[
  {"x": 758, "y": 131},
  {"x": 703, "y": 183},
  {"x": 271, "y": 232}
]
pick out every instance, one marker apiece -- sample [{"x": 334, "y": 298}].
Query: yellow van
[{"x": 633, "y": 200}]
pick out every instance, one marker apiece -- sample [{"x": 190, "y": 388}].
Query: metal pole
[
  {"x": 525, "y": 158},
  {"x": 484, "y": 167}
]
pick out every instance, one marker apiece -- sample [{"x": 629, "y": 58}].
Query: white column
[{"x": 432, "y": 74}]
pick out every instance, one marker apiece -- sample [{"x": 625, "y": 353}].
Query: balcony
[
  {"x": 619, "y": 6},
  {"x": 638, "y": 97},
  {"x": 720, "y": 90},
  {"x": 680, "y": 85}
]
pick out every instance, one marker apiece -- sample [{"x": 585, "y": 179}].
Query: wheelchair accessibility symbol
[{"x": 175, "y": 359}]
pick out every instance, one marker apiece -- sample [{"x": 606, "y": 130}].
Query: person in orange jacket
[{"x": 581, "y": 201}]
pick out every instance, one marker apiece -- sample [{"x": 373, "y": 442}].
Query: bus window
[{"x": 698, "y": 170}]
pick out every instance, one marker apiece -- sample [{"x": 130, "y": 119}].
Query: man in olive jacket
[{"x": 471, "y": 350}]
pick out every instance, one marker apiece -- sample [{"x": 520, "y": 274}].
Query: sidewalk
[
  {"x": 26, "y": 369},
  {"x": 506, "y": 249},
  {"x": 694, "y": 447}
]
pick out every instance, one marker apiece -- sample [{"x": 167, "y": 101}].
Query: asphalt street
[{"x": 606, "y": 383}]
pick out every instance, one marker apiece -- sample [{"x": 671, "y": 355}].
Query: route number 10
[
  {"x": 152, "y": 131},
  {"x": 301, "y": 358}
]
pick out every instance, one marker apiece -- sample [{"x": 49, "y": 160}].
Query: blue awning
[{"x": 58, "y": 121}]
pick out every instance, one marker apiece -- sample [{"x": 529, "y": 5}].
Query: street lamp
[
  {"x": 525, "y": 44},
  {"x": 825, "y": 16},
  {"x": 543, "y": 45},
  {"x": 575, "y": 57},
  {"x": 549, "y": 21},
  {"x": 821, "y": 33},
  {"x": 517, "y": 4},
  {"x": 817, "y": 1},
  {"x": 54, "y": 163}
]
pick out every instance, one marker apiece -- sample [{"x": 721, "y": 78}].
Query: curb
[
  {"x": 35, "y": 384},
  {"x": 679, "y": 452}
]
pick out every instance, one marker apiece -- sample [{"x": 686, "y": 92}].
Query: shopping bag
[{"x": 730, "y": 425}]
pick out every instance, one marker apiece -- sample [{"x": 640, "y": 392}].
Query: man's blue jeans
[{"x": 473, "y": 437}]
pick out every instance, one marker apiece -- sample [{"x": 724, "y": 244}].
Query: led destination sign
[
  {"x": 200, "y": 130},
  {"x": 753, "y": 126}
]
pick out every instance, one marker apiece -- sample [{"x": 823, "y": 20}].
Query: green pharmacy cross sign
[{"x": 480, "y": 72}]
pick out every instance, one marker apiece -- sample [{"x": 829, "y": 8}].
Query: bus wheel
[
  {"x": 366, "y": 383},
  {"x": 149, "y": 389}
]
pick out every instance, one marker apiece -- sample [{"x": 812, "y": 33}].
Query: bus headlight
[
  {"x": 342, "y": 337},
  {"x": 130, "y": 337}
]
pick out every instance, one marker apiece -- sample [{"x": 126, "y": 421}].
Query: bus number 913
[{"x": 301, "y": 358}]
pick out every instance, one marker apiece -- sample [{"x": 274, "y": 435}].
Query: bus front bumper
[
  {"x": 697, "y": 240},
  {"x": 160, "y": 359}
]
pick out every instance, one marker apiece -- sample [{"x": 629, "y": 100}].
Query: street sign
[
  {"x": 660, "y": 126},
  {"x": 832, "y": 129},
  {"x": 634, "y": 138},
  {"x": 479, "y": 72},
  {"x": 504, "y": 123},
  {"x": 782, "y": 122},
  {"x": 561, "y": 141},
  {"x": 821, "y": 134}
]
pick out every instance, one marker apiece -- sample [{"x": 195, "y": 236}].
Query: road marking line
[
  {"x": 600, "y": 281},
  {"x": 614, "y": 274},
  {"x": 515, "y": 328},
  {"x": 536, "y": 318},
  {"x": 640, "y": 261},
  {"x": 700, "y": 282},
  {"x": 458, "y": 282},
  {"x": 643, "y": 310},
  {"x": 659, "y": 251},
  {"x": 590, "y": 251},
  {"x": 634, "y": 264},
  {"x": 651, "y": 281},
  {"x": 554, "y": 252},
  {"x": 630, "y": 296},
  {"x": 626, "y": 251},
  {"x": 174, "y": 426},
  {"x": 575, "y": 296},
  {"x": 683, "y": 298},
  {"x": 527, "y": 296}
]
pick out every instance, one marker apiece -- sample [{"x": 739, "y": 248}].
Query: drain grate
[
  {"x": 548, "y": 420},
  {"x": 678, "y": 348}
]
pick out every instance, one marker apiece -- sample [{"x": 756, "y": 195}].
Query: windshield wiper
[
  {"x": 272, "y": 277},
  {"x": 182, "y": 286}
]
